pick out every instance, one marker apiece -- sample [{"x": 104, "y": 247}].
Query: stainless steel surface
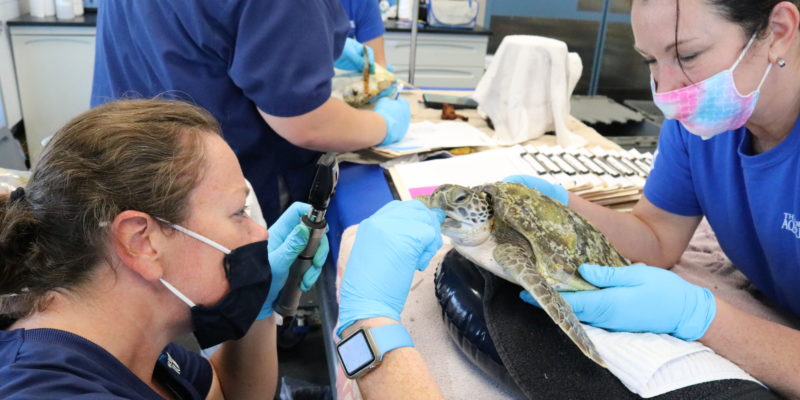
[
  {"x": 647, "y": 108},
  {"x": 601, "y": 109},
  {"x": 412, "y": 56},
  {"x": 597, "y": 61}
]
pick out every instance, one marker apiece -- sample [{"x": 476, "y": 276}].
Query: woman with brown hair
[{"x": 133, "y": 231}]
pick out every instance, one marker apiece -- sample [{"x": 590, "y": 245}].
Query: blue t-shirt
[
  {"x": 53, "y": 364},
  {"x": 365, "y": 19},
  {"x": 752, "y": 201},
  {"x": 232, "y": 58}
]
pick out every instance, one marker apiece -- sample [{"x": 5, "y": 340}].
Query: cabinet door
[
  {"x": 54, "y": 72},
  {"x": 443, "y": 60},
  {"x": 443, "y": 77},
  {"x": 437, "y": 49}
]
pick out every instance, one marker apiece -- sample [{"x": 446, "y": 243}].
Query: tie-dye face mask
[{"x": 712, "y": 106}]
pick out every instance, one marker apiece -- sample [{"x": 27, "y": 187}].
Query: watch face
[{"x": 355, "y": 353}]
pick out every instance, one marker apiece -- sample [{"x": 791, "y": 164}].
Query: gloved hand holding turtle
[
  {"x": 552, "y": 190},
  {"x": 352, "y": 57},
  {"x": 640, "y": 298}
]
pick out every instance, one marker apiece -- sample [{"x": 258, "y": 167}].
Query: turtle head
[{"x": 468, "y": 213}]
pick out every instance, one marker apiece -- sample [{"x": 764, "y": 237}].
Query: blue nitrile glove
[
  {"x": 352, "y": 58},
  {"x": 390, "y": 68},
  {"x": 397, "y": 114},
  {"x": 287, "y": 239},
  {"x": 640, "y": 298},
  {"x": 388, "y": 92},
  {"x": 552, "y": 190},
  {"x": 390, "y": 245}
]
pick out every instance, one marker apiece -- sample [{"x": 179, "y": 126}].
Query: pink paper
[{"x": 422, "y": 191}]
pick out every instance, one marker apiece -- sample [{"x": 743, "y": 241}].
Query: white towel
[
  {"x": 649, "y": 364},
  {"x": 526, "y": 89}
]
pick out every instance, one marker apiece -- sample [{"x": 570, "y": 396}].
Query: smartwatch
[{"x": 362, "y": 351}]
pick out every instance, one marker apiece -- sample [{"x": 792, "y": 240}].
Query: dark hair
[
  {"x": 751, "y": 15},
  {"x": 144, "y": 155}
]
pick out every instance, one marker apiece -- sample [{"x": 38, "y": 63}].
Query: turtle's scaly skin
[{"x": 529, "y": 239}]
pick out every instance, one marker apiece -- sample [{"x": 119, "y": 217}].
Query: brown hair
[{"x": 144, "y": 155}]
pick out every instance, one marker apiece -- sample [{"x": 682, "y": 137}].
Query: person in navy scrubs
[
  {"x": 132, "y": 232},
  {"x": 262, "y": 68}
]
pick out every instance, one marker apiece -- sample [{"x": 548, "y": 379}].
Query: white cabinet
[
  {"x": 443, "y": 60},
  {"x": 54, "y": 68}
]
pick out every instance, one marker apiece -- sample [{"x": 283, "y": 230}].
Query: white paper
[
  {"x": 422, "y": 178},
  {"x": 468, "y": 170},
  {"x": 428, "y": 135}
]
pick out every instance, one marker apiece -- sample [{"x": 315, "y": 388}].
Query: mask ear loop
[
  {"x": 741, "y": 56},
  {"x": 764, "y": 78},
  {"x": 199, "y": 237},
  {"x": 177, "y": 292}
]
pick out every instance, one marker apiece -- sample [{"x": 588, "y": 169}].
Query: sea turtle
[
  {"x": 359, "y": 89},
  {"x": 529, "y": 239}
]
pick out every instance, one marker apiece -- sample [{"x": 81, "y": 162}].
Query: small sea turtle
[
  {"x": 358, "y": 89},
  {"x": 529, "y": 239}
]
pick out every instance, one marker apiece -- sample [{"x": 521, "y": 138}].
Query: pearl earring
[{"x": 781, "y": 62}]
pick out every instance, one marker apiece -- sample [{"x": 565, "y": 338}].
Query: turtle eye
[{"x": 460, "y": 196}]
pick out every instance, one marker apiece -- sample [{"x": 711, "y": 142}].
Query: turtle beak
[{"x": 450, "y": 223}]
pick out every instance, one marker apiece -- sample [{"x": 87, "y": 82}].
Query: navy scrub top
[
  {"x": 54, "y": 364},
  {"x": 231, "y": 58}
]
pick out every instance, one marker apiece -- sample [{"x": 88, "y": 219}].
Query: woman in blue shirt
[
  {"x": 366, "y": 25},
  {"x": 725, "y": 74}
]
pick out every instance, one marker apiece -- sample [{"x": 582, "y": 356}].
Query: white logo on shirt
[
  {"x": 791, "y": 224},
  {"x": 172, "y": 364},
  {"x": 655, "y": 155}
]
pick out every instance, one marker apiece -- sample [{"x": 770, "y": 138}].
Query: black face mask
[{"x": 249, "y": 276}]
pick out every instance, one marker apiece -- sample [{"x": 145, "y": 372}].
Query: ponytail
[{"x": 18, "y": 250}]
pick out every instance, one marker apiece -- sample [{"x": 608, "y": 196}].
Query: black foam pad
[
  {"x": 459, "y": 289},
  {"x": 521, "y": 347}
]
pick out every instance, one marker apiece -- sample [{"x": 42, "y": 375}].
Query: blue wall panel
[{"x": 561, "y": 9}]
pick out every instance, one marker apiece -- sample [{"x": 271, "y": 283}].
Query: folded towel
[
  {"x": 526, "y": 89},
  {"x": 651, "y": 364}
]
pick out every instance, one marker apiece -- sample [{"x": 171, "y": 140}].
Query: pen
[{"x": 397, "y": 91}]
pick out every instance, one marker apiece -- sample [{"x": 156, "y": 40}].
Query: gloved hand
[
  {"x": 399, "y": 238},
  {"x": 287, "y": 239},
  {"x": 388, "y": 92},
  {"x": 352, "y": 58},
  {"x": 397, "y": 114},
  {"x": 552, "y": 190},
  {"x": 640, "y": 298}
]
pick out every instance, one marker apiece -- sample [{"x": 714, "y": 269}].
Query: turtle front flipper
[{"x": 517, "y": 262}]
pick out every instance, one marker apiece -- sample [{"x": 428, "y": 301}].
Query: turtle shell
[{"x": 559, "y": 238}]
